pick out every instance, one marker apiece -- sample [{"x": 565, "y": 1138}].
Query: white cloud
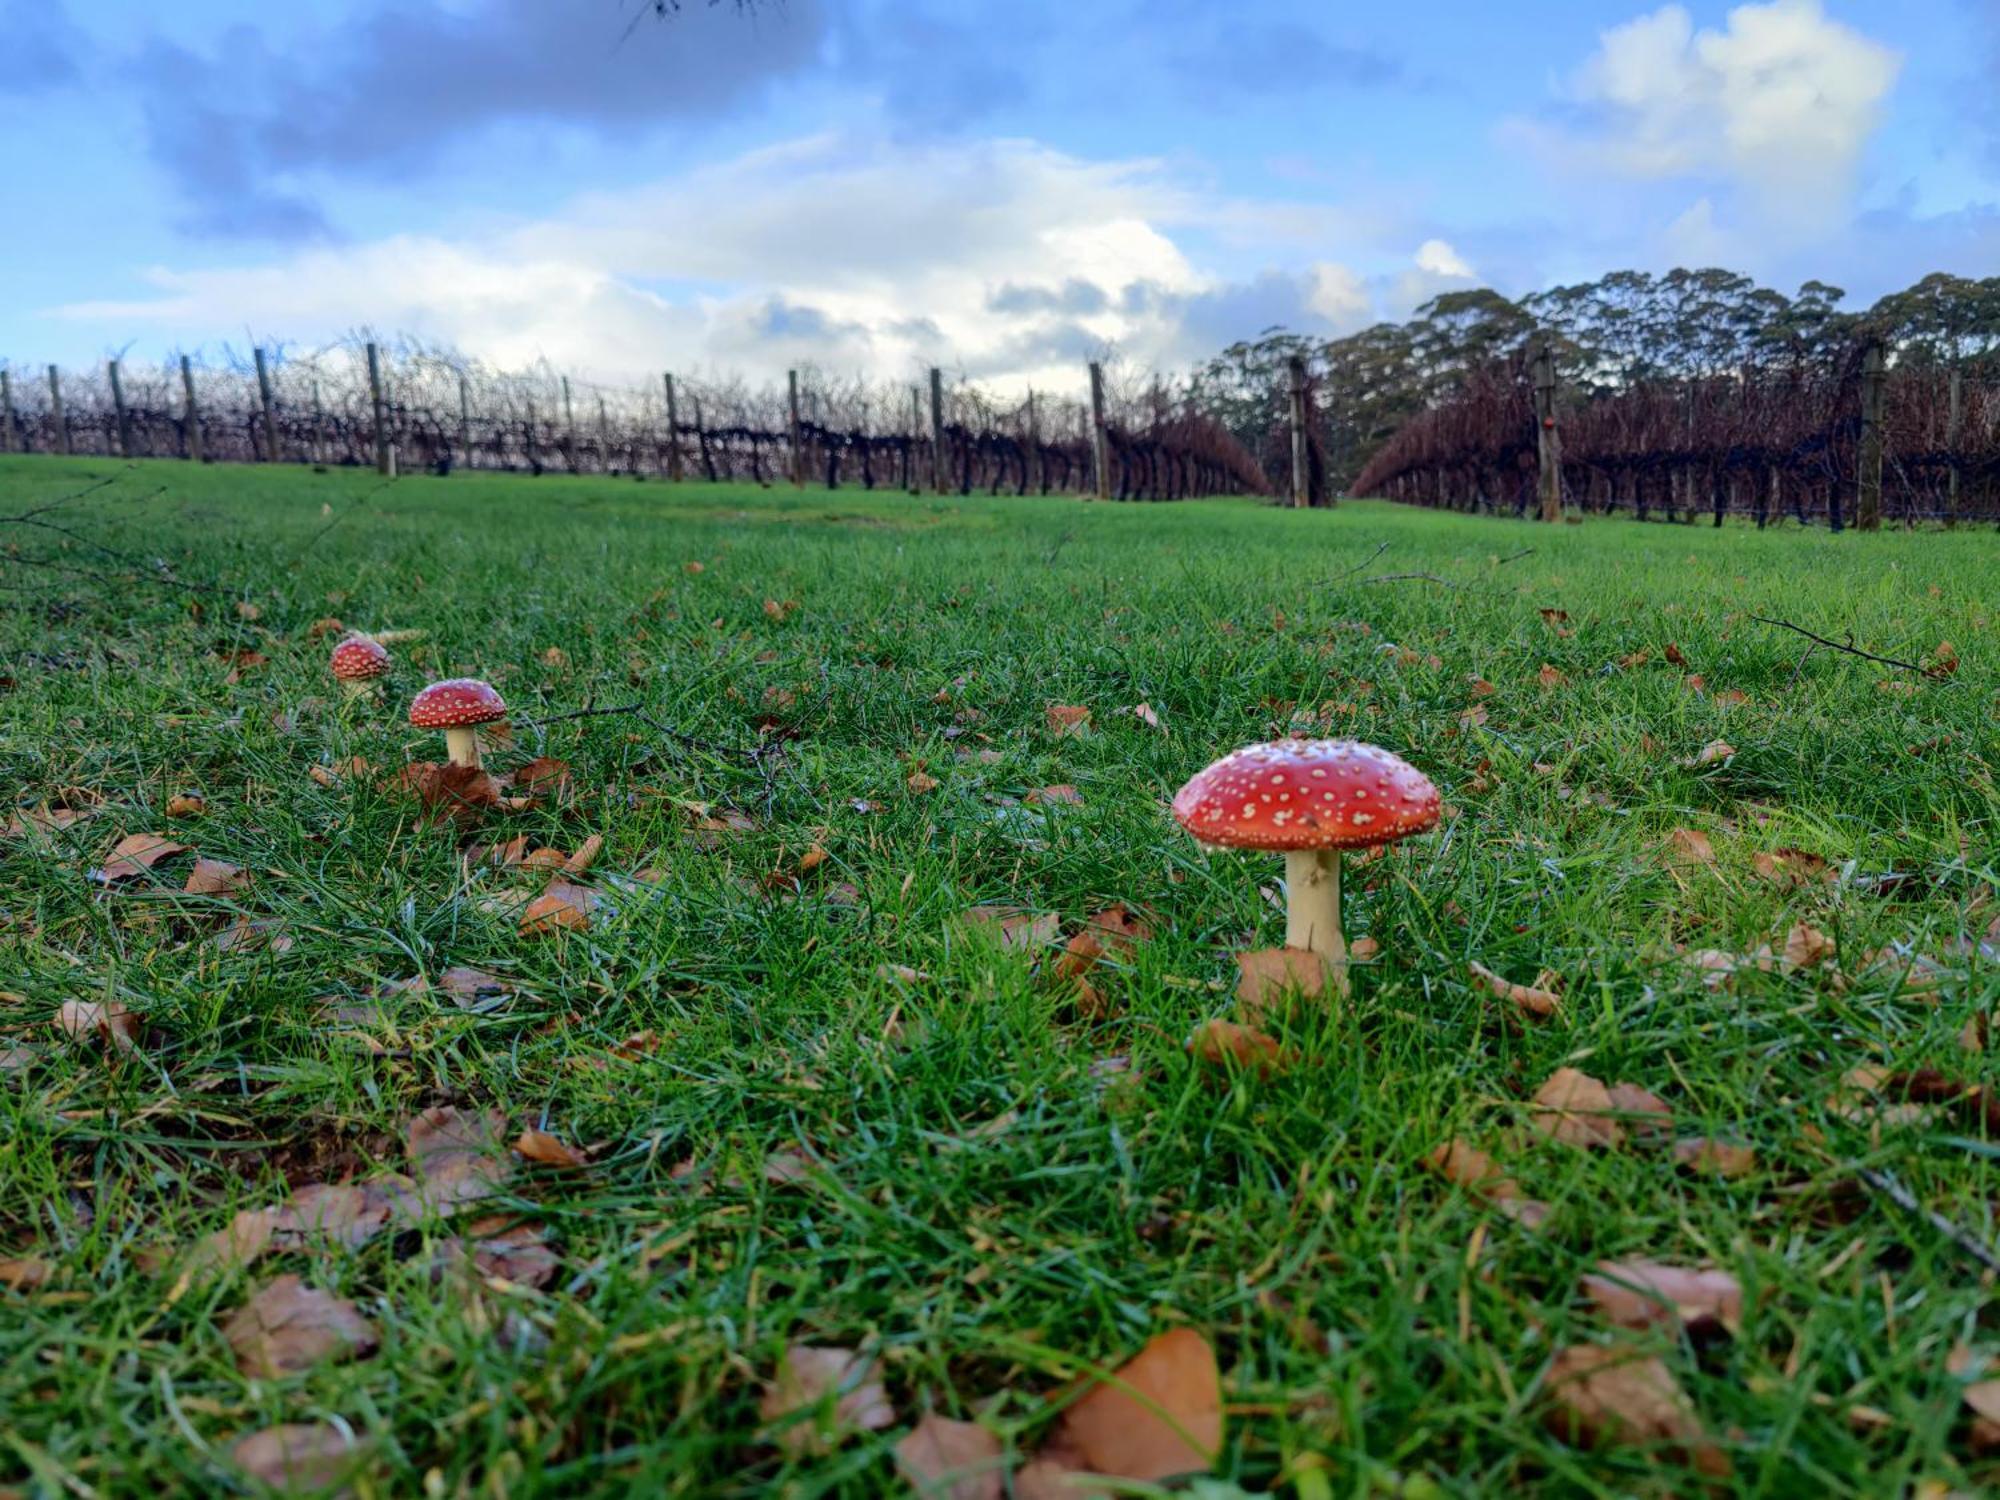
[
  {"x": 1780, "y": 102},
  {"x": 1005, "y": 258},
  {"x": 1438, "y": 258}
]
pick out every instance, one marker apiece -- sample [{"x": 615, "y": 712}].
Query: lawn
[{"x": 807, "y": 1100}]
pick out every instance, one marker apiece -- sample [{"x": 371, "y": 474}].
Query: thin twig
[
  {"x": 1958, "y": 1234},
  {"x": 1850, "y": 649},
  {"x": 1380, "y": 548},
  {"x": 1515, "y": 556},
  {"x": 1400, "y": 577}
]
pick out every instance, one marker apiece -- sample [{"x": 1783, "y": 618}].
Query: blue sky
[{"x": 877, "y": 185}]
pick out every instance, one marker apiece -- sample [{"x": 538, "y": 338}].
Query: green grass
[{"x": 1288, "y": 1219}]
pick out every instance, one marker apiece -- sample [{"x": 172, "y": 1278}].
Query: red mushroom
[
  {"x": 357, "y": 662},
  {"x": 1311, "y": 799},
  {"x": 458, "y": 706}
]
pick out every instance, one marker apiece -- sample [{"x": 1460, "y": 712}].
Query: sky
[{"x": 1004, "y": 189}]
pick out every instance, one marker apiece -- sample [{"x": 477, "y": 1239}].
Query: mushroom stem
[
  {"x": 1312, "y": 908},
  {"x": 358, "y": 687},
  {"x": 461, "y": 746}
]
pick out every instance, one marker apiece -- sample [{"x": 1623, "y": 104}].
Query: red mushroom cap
[
  {"x": 358, "y": 658},
  {"x": 1307, "y": 794},
  {"x": 455, "y": 703}
]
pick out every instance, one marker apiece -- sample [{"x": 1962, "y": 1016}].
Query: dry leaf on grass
[
  {"x": 921, "y": 782},
  {"x": 186, "y": 805},
  {"x": 303, "y": 1458},
  {"x": 134, "y": 855},
  {"x": 1146, "y": 715},
  {"x": 1981, "y": 1396},
  {"x": 1549, "y": 676},
  {"x": 503, "y": 1248},
  {"x": 462, "y": 792},
  {"x": 947, "y": 1460},
  {"x": 1646, "y": 1116},
  {"x": 1576, "y": 1109},
  {"x": 1616, "y": 1396},
  {"x": 546, "y": 1150},
  {"x": 564, "y": 905},
  {"x": 459, "y": 1157},
  {"x": 82, "y": 1020},
  {"x": 1014, "y": 929},
  {"x": 1268, "y": 979},
  {"x": 1793, "y": 867},
  {"x": 1710, "y": 754},
  {"x": 213, "y": 877},
  {"x": 1539, "y": 999},
  {"x": 344, "y": 1214},
  {"x": 1650, "y": 1293},
  {"x": 820, "y": 1396},
  {"x": 474, "y": 989},
  {"x": 1807, "y": 947},
  {"x": 289, "y": 1326},
  {"x": 1220, "y": 1043},
  {"x": 1066, "y": 719},
  {"x": 1062, "y": 793},
  {"x": 235, "y": 1246},
  {"x": 1472, "y": 1169},
  {"x": 1715, "y": 1158},
  {"x": 1689, "y": 846},
  {"x": 42, "y": 821},
  {"x": 25, "y": 1273},
  {"x": 1159, "y": 1414}
]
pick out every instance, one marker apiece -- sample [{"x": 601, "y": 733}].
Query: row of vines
[
  {"x": 440, "y": 412},
  {"x": 1766, "y": 441}
]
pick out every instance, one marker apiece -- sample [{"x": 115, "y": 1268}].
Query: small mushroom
[
  {"x": 358, "y": 661},
  {"x": 1311, "y": 799},
  {"x": 458, "y": 706}
]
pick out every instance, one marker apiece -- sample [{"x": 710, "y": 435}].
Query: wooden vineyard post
[
  {"x": 60, "y": 434},
  {"x": 385, "y": 452},
  {"x": 569, "y": 425},
  {"x": 1549, "y": 438},
  {"x": 528, "y": 436},
  {"x": 1034, "y": 467},
  {"x": 190, "y": 411},
  {"x": 1868, "y": 492},
  {"x": 266, "y": 408},
  {"x": 464, "y": 423},
  {"x": 938, "y": 474},
  {"x": 603, "y": 436},
  {"x": 673, "y": 433},
  {"x": 912, "y": 481},
  {"x": 6, "y": 412},
  {"x": 118, "y": 409},
  {"x": 798, "y": 458},
  {"x": 1100, "y": 458},
  {"x": 1953, "y": 422},
  {"x": 1301, "y": 477}
]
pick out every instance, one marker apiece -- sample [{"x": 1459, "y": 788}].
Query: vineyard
[
  {"x": 417, "y": 409},
  {"x": 1765, "y": 442}
]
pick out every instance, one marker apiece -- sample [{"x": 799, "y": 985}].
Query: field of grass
[{"x": 822, "y": 1106}]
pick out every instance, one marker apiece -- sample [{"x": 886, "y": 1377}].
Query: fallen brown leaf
[
  {"x": 1066, "y": 719},
  {"x": 1615, "y": 1396},
  {"x": 947, "y": 1460},
  {"x": 81, "y": 1020},
  {"x": 820, "y": 1396},
  {"x": 1807, "y": 947},
  {"x": 186, "y": 805},
  {"x": 1119, "y": 928},
  {"x": 302, "y": 1458},
  {"x": 1716, "y": 1158},
  {"x": 25, "y": 1273},
  {"x": 1269, "y": 979},
  {"x": 1472, "y": 1169},
  {"x": 1158, "y": 1415},
  {"x": 1711, "y": 753},
  {"x": 541, "y": 1147},
  {"x": 134, "y": 855},
  {"x": 1689, "y": 846},
  {"x": 1014, "y": 929},
  {"x": 1794, "y": 867},
  {"x": 288, "y": 1326},
  {"x": 213, "y": 877},
  {"x": 460, "y": 1157},
  {"x": 1046, "y": 795},
  {"x": 1144, "y": 713},
  {"x": 1538, "y": 999},
  {"x": 1549, "y": 677},
  {"x": 1220, "y": 1043},
  {"x": 1575, "y": 1109},
  {"x": 563, "y": 905},
  {"x": 1650, "y": 1293}
]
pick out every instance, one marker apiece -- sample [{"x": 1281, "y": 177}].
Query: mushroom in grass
[
  {"x": 358, "y": 661},
  {"x": 1311, "y": 799},
  {"x": 458, "y": 706}
]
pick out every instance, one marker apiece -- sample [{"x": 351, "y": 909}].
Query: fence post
[
  {"x": 1100, "y": 457},
  {"x": 1301, "y": 479},
  {"x": 267, "y": 407},
  {"x": 673, "y": 434},
  {"x": 1868, "y": 495},
  {"x": 911, "y": 478},
  {"x": 190, "y": 411},
  {"x": 319, "y": 427},
  {"x": 937, "y": 430},
  {"x": 603, "y": 436},
  {"x": 1034, "y": 447},
  {"x": 118, "y": 408},
  {"x": 1953, "y": 421},
  {"x": 6, "y": 412},
  {"x": 385, "y": 452},
  {"x": 792, "y": 430},
  {"x": 464, "y": 422},
  {"x": 534, "y": 463},
  {"x": 56, "y": 416},
  {"x": 1548, "y": 438},
  {"x": 569, "y": 423}
]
